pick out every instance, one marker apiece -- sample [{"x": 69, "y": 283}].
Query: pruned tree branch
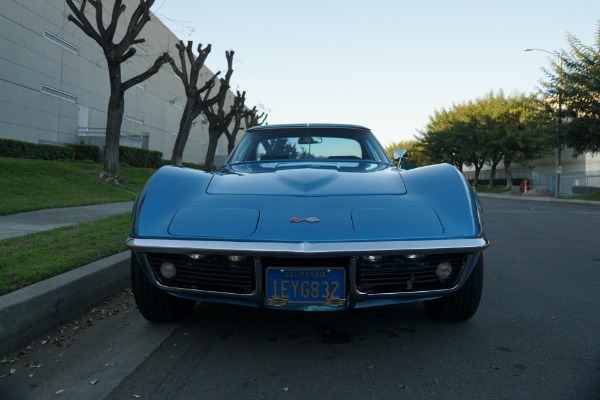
[
  {"x": 81, "y": 21},
  {"x": 116, "y": 14},
  {"x": 252, "y": 118},
  {"x": 99, "y": 22},
  {"x": 128, "y": 54},
  {"x": 163, "y": 59},
  {"x": 141, "y": 15}
]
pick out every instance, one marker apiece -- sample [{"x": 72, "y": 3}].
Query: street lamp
[{"x": 558, "y": 120}]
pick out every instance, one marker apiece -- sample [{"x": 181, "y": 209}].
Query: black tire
[
  {"x": 154, "y": 304},
  {"x": 462, "y": 304}
]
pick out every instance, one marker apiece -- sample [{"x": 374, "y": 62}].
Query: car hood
[
  {"x": 308, "y": 204},
  {"x": 309, "y": 180}
]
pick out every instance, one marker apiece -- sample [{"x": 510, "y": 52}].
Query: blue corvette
[{"x": 312, "y": 218}]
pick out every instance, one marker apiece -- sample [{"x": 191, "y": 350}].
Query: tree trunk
[
  {"x": 185, "y": 126},
  {"x": 492, "y": 176},
  {"x": 230, "y": 144},
  {"x": 476, "y": 176},
  {"x": 116, "y": 109},
  {"x": 213, "y": 140},
  {"x": 508, "y": 172},
  {"x": 494, "y": 168}
]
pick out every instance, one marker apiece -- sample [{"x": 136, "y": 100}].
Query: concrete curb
[
  {"x": 539, "y": 198},
  {"x": 29, "y": 312}
]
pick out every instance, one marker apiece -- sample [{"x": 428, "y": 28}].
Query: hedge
[
  {"x": 499, "y": 181},
  {"x": 140, "y": 158},
  {"x": 585, "y": 189},
  {"x": 78, "y": 152},
  {"x": 84, "y": 152},
  {"x": 18, "y": 149}
]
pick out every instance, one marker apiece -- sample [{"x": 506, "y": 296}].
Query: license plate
[{"x": 306, "y": 286}]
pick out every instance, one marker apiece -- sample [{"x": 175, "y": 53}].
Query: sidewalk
[
  {"x": 43, "y": 220},
  {"x": 29, "y": 312}
]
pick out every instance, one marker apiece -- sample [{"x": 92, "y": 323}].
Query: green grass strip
[
  {"x": 28, "y": 185},
  {"x": 589, "y": 196},
  {"x": 32, "y": 258}
]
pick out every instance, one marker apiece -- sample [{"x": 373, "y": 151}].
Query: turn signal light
[
  {"x": 372, "y": 259},
  {"x": 236, "y": 258},
  {"x": 196, "y": 256}
]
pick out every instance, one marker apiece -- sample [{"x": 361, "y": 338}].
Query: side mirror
[{"x": 400, "y": 155}]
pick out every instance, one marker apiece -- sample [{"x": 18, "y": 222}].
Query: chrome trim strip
[{"x": 179, "y": 246}]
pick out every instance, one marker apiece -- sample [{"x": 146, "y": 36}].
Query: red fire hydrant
[{"x": 524, "y": 187}]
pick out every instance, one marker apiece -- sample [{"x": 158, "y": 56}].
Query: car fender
[
  {"x": 443, "y": 188},
  {"x": 169, "y": 189}
]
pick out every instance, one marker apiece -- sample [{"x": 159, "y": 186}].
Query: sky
[{"x": 384, "y": 64}]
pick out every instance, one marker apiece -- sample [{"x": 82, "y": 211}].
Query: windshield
[{"x": 308, "y": 143}]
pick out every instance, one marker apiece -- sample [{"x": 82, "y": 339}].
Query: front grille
[
  {"x": 391, "y": 274},
  {"x": 212, "y": 273},
  {"x": 401, "y": 275}
]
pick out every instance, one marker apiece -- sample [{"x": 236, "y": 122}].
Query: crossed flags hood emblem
[{"x": 309, "y": 219}]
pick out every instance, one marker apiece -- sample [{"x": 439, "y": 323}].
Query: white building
[{"x": 54, "y": 84}]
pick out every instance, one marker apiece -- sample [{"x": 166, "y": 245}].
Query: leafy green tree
[
  {"x": 525, "y": 131},
  {"x": 416, "y": 156},
  {"x": 517, "y": 131},
  {"x": 489, "y": 130},
  {"x": 440, "y": 141},
  {"x": 470, "y": 125},
  {"x": 573, "y": 88}
]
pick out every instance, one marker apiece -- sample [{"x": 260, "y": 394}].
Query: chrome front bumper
[{"x": 355, "y": 297}]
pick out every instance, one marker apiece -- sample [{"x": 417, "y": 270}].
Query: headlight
[
  {"x": 443, "y": 271},
  {"x": 168, "y": 270}
]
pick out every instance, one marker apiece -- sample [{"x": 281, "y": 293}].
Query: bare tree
[
  {"x": 218, "y": 119},
  {"x": 116, "y": 53},
  {"x": 253, "y": 118},
  {"x": 250, "y": 118},
  {"x": 236, "y": 115},
  {"x": 197, "y": 99}
]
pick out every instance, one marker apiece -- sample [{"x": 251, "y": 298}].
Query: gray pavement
[{"x": 29, "y": 312}]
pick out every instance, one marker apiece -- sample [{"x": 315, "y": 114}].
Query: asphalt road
[{"x": 535, "y": 336}]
